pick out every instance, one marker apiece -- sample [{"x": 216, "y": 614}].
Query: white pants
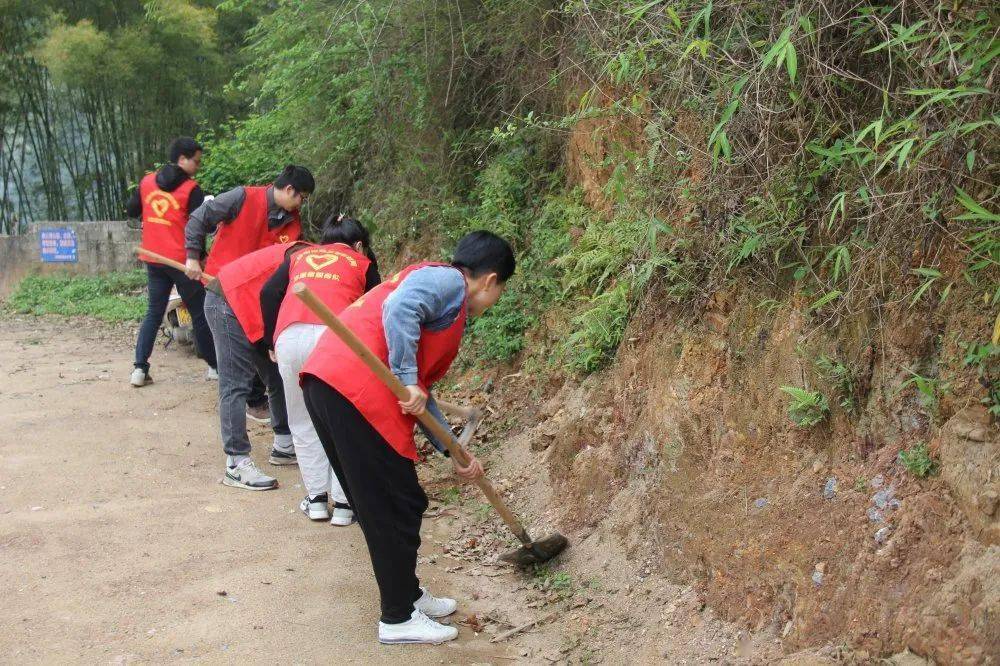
[{"x": 292, "y": 348}]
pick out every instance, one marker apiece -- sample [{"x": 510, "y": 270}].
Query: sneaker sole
[
  {"x": 314, "y": 516},
  {"x": 413, "y": 641},
  {"x": 266, "y": 421},
  {"x": 339, "y": 524},
  {"x": 226, "y": 481},
  {"x": 283, "y": 462}
]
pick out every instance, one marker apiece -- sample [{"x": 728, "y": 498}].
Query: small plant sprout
[{"x": 917, "y": 461}]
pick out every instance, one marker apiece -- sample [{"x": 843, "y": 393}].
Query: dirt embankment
[{"x": 683, "y": 455}]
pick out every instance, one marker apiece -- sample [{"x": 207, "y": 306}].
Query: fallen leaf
[{"x": 473, "y": 623}]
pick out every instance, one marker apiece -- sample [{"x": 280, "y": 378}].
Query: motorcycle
[{"x": 177, "y": 325}]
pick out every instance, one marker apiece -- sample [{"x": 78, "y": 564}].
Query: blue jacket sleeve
[{"x": 431, "y": 298}]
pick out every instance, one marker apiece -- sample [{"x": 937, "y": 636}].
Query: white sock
[
  {"x": 233, "y": 461},
  {"x": 284, "y": 443}
]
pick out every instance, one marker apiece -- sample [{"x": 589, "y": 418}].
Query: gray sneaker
[
  {"x": 246, "y": 475},
  {"x": 279, "y": 457}
]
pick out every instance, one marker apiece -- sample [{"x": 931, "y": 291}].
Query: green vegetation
[
  {"x": 94, "y": 91},
  {"x": 917, "y": 461},
  {"x": 114, "y": 297},
  {"x": 806, "y": 408},
  {"x": 929, "y": 390},
  {"x": 642, "y": 156},
  {"x": 842, "y": 378},
  {"x": 986, "y": 361},
  {"x": 450, "y": 495},
  {"x": 546, "y": 580}
]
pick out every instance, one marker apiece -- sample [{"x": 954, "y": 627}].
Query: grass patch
[
  {"x": 450, "y": 495},
  {"x": 548, "y": 580},
  {"x": 113, "y": 297}
]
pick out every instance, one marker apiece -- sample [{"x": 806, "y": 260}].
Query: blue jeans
[
  {"x": 161, "y": 279},
  {"x": 239, "y": 363}
]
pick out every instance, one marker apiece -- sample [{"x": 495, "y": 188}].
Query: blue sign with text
[{"x": 58, "y": 244}]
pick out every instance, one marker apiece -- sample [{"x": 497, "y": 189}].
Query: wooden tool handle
[
  {"x": 467, "y": 413},
  {"x": 167, "y": 261},
  {"x": 441, "y": 433}
]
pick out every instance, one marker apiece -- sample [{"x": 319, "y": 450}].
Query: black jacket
[{"x": 168, "y": 179}]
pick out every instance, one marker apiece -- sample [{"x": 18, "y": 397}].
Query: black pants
[
  {"x": 161, "y": 280},
  {"x": 382, "y": 488}
]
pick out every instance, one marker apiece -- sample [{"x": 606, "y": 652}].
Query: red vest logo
[
  {"x": 161, "y": 202},
  {"x": 321, "y": 261}
]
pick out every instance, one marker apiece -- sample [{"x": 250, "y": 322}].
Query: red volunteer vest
[
  {"x": 334, "y": 363},
  {"x": 164, "y": 216},
  {"x": 241, "y": 281},
  {"x": 335, "y": 273},
  {"x": 249, "y": 232}
]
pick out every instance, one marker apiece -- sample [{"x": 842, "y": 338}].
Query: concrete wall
[{"x": 101, "y": 247}]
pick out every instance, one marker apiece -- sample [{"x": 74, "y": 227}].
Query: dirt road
[{"x": 120, "y": 544}]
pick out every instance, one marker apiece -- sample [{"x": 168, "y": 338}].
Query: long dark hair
[{"x": 342, "y": 229}]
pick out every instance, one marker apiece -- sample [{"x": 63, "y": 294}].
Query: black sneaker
[{"x": 279, "y": 457}]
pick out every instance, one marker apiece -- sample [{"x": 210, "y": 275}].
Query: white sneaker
[
  {"x": 432, "y": 606},
  {"x": 315, "y": 508},
  {"x": 343, "y": 515},
  {"x": 418, "y": 629},
  {"x": 211, "y": 375},
  {"x": 246, "y": 475},
  {"x": 139, "y": 378}
]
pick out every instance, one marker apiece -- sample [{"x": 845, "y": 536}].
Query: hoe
[{"x": 531, "y": 551}]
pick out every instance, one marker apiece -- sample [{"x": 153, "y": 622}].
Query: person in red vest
[
  {"x": 339, "y": 271},
  {"x": 414, "y": 322},
  {"x": 164, "y": 200},
  {"x": 245, "y": 219},
  {"x": 232, "y": 307}
]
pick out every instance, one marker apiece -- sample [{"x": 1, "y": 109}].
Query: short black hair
[
  {"x": 183, "y": 146},
  {"x": 342, "y": 229},
  {"x": 482, "y": 252},
  {"x": 298, "y": 177}
]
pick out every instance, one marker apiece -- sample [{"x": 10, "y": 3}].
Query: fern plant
[{"x": 807, "y": 408}]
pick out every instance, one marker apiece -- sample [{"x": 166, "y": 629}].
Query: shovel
[{"x": 530, "y": 552}]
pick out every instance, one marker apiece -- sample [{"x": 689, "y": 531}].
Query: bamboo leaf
[
  {"x": 791, "y": 61},
  {"x": 674, "y": 18},
  {"x": 976, "y": 211},
  {"x": 826, "y": 298},
  {"x": 638, "y": 12}
]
